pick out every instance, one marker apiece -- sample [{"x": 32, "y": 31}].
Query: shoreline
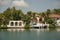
[{"x": 30, "y": 29}]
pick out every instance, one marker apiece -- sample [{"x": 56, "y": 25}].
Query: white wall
[
  {"x": 22, "y": 25},
  {"x": 57, "y": 22}
]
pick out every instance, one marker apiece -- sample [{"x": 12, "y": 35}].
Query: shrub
[
  {"x": 27, "y": 26},
  {"x": 51, "y": 26}
]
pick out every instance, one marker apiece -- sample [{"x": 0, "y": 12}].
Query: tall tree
[
  {"x": 56, "y": 11},
  {"x": 48, "y": 12}
]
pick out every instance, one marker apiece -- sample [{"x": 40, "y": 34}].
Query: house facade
[
  {"x": 58, "y": 23},
  {"x": 56, "y": 18},
  {"x": 16, "y": 24},
  {"x": 36, "y": 22}
]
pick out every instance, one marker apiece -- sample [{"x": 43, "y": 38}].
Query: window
[
  {"x": 57, "y": 18},
  {"x": 12, "y": 23},
  {"x": 34, "y": 24},
  {"x": 16, "y": 23},
  {"x": 40, "y": 19},
  {"x": 59, "y": 22},
  {"x": 20, "y": 23}
]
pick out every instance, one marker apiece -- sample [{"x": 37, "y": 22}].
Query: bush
[
  {"x": 27, "y": 26},
  {"x": 50, "y": 21},
  {"x": 51, "y": 26}
]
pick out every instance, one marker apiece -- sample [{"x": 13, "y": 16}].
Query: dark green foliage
[
  {"x": 52, "y": 26},
  {"x": 50, "y": 21},
  {"x": 27, "y": 26},
  {"x": 57, "y": 11},
  {"x": 48, "y": 12}
]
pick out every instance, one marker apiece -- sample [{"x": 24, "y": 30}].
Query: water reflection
[
  {"x": 58, "y": 29},
  {"x": 32, "y": 34},
  {"x": 37, "y": 30},
  {"x": 15, "y": 29},
  {"x": 28, "y": 30}
]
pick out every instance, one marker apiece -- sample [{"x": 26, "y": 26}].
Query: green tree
[
  {"x": 48, "y": 12},
  {"x": 56, "y": 11}
]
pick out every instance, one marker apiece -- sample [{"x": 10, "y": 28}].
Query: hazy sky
[{"x": 27, "y": 5}]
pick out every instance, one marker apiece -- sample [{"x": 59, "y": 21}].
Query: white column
[
  {"x": 18, "y": 24},
  {"x": 14, "y": 24},
  {"x": 42, "y": 19},
  {"x": 10, "y": 23}
]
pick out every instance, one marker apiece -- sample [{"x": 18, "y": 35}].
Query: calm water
[{"x": 29, "y": 35}]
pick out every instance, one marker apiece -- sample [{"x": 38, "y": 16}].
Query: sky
[{"x": 30, "y": 5}]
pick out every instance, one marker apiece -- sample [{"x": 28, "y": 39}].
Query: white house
[
  {"x": 36, "y": 22},
  {"x": 56, "y": 18},
  {"x": 16, "y": 24},
  {"x": 57, "y": 22},
  {"x": 39, "y": 25}
]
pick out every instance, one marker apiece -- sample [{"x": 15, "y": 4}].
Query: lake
[{"x": 29, "y": 35}]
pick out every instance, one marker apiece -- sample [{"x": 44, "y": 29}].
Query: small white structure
[
  {"x": 57, "y": 22},
  {"x": 16, "y": 24},
  {"x": 36, "y": 22},
  {"x": 40, "y": 25}
]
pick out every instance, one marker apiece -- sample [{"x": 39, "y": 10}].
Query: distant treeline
[{"x": 14, "y": 14}]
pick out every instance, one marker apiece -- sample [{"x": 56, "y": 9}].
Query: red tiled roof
[{"x": 54, "y": 15}]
